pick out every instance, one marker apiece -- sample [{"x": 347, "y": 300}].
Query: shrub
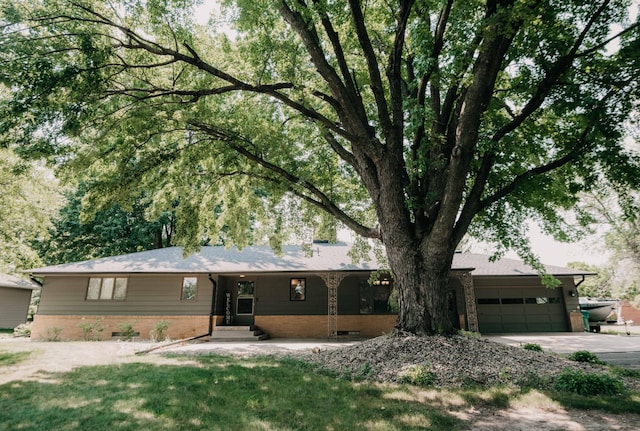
[
  {"x": 365, "y": 370},
  {"x": 532, "y": 380},
  {"x": 91, "y": 331},
  {"x": 582, "y": 383},
  {"x": 126, "y": 330},
  {"x": 469, "y": 334},
  {"x": 22, "y": 330},
  {"x": 532, "y": 346},
  {"x": 624, "y": 372},
  {"x": 53, "y": 333},
  {"x": 585, "y": 356},
  {"x": 419, "y": 375},
  {"x": 159, "y": 331}
]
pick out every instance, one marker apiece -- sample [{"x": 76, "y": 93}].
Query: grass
[
  {"x": 225, "y": 393},
  {"x": 220, "y": 393},
  {"x": 12, "y": 358}
]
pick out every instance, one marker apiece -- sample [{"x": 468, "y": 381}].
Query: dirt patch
[{"x": 55, "y": 357}]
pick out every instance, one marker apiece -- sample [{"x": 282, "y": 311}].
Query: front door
[{"x": 244, "y": 302}]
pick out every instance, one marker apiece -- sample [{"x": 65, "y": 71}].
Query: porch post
[
  {"x": 469, "y": 298},
  {"x": 332, "y": 280}
]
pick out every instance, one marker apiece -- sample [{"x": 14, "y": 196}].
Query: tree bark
[{"x": 422, "y": 281}]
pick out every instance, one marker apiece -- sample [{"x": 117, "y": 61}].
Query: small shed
[{"x": 15, "y": 297}]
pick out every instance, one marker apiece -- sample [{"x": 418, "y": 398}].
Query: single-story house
[
  {"x": 303, "y": 293},
  {"x": 15, "y": 297}
]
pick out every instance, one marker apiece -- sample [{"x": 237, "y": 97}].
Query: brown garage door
[{"x": 515, "y": 309}]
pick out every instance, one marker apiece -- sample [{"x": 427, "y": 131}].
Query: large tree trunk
[
  {"x": 420, "y": 261},
  {"x": 422, "y": 281}
]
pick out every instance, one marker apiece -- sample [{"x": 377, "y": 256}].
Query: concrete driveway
[{"x": 614, "y": 347}]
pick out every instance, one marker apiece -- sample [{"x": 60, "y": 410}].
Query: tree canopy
[
  {"x": 412, "y": 122},
  {"x": 29, "y": 198},
  {"x": 615, "y": 212},
  {"x": 108, "y": 232}
]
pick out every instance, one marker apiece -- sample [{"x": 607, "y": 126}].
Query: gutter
[{"x": 35, "y": 280}]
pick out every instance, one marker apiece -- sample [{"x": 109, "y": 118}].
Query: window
[
  {"x": 537, "y": 301},
  {"x": 488, "y": 301},
  {"x": 120, "y": 292},
  {"x": 189, "y": 288},
  {"x": 510, "y": 301},
  {"x": 298, "y": 289},
  {"x": 244, "y": 303},
  {"x": 107, "y": 289},
  {"x": 374, "y": 298}
]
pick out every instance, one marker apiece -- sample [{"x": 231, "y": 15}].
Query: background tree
[
  {"x": 597, "y": 285},
  {"x": 29, "y": 198},
  {"x": 411, "y": 122},
  {"x": 108, "y": 232},
  {"x": 616, "y": 213}
]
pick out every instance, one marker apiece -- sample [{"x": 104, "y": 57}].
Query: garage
[{"x": 520, "y": 309}]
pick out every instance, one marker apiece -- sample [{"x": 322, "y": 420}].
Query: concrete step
[
  {"x": 237, "y": 333},
  {"x": 234, "y": 328}
]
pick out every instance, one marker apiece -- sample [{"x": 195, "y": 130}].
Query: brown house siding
[
  {"x": 150, "y": 295},
  {"x": 273, "y": 295},
  {"x": 14, "y": 306}
]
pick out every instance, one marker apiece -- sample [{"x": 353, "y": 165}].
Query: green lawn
[
  {"x": 222, "y": 393},
  {"x": 7, "y": 358}
]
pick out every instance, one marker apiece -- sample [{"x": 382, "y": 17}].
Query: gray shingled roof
[
  {"x": 7, "y": 280},
  {"x": 219, "y": 260},
  {"x": 506, "y": 267}
]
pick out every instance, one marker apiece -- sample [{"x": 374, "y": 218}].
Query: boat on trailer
[{"x": 599, "y": 310}]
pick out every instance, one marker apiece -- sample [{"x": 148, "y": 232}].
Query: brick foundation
[
  {"x": 317, "y": 326},
  {"x": 629, "y": 312},
  {"x": 295, "y": 326},
  {"x": 179, "y": 326}
]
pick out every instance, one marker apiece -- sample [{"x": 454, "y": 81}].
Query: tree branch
[
  {"x": 288, "y": 179},
  {"x": 377, "y": 86},
  {"x": 311, "y": 41},
  {"x": 552, "y": 76},
  {"x": 394, "y": 72},
  {"x": 338, "y": 51},
  {"x": 537, "y": 171},
  {"x": 140, "y": 42}
]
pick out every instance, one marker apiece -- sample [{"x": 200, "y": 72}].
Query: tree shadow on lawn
[{"x": 222, "y": 393}]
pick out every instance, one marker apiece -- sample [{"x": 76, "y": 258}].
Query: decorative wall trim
[
  {"x": 469, "y": 298},
  {"x": 332, "y": 280}
]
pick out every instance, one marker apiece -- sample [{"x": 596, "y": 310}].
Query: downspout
[
  {"x": 580, "y": 282},
  {"x": 211, "y": 313},
  {"x": 214, "y": 298},
  {"x": 41, "y": 284}
]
